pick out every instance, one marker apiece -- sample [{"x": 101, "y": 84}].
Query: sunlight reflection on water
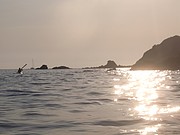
[{"x": 145, "y": 87}]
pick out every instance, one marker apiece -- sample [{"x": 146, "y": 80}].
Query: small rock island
[
  {"x": 110, "y": 64},
  {"x": 43, "y": 67},
  {"x": 164, "y": 56},
  {"x": 61, "y": 67}
]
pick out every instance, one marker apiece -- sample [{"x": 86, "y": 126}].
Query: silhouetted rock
[
  {"x": 61, "y": 67},
  {"x": 43, "y": 67},
  {"x": 110, "y": 64},
  {"x": 164, "y": 56}
]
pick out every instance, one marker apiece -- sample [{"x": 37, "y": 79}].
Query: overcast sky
[{"x": 80, "y": 33}]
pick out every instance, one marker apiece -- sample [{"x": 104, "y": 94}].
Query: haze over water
[
  {"x": 80, "y": 33},
  {"x": 89, "y": 102}
]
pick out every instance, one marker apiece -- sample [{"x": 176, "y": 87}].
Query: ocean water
[{"x": 89, "y": 102}]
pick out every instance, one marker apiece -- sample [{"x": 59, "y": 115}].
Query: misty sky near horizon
[{"x": 80, "y": 33}]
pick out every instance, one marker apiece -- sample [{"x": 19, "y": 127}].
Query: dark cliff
[{"x": 164, "y": 56}]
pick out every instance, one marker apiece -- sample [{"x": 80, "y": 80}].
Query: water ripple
[{"x": 117, "y": 123}]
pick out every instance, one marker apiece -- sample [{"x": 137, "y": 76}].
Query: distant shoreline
[{"x": 110, "y": 64}]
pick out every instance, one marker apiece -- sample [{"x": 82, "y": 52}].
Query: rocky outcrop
[
  {"x": 164, "y": 56},
  {"x": 61, "y": 67},
  {"x": 43, "y": 67},
  {"x": 110, "y": 64}
]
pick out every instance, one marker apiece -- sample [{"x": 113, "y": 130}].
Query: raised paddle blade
[{"x": 24, "y": 66}]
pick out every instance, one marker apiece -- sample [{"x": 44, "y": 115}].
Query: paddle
[{"x": 24, "y": 66}]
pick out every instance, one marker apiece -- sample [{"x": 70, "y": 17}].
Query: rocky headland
[{"x": 164, "y": 56}]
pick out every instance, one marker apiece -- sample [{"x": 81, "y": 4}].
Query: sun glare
[{"x": 143, "y": 88}]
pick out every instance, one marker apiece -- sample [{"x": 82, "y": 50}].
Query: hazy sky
[{"x": 80, "y": 33}]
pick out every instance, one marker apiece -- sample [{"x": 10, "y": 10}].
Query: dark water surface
[{"x": 89, "y": 102}]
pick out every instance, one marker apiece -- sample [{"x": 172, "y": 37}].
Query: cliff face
[{"x": 165, "y": 56}]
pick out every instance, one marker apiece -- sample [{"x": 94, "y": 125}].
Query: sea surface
[{"x": 90, "y": 102}]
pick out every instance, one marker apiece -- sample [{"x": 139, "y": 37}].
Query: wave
[
  {"x": 89, "y": 103},
  {"x": 95, "y": 93},
  {"x": 11, "y": 125},
  {"x": 101, "y": 100},
  {"x": 117, "y": 123},
  {"x": 39, "y": 83},
  {"x": 36, "y": 114}
]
